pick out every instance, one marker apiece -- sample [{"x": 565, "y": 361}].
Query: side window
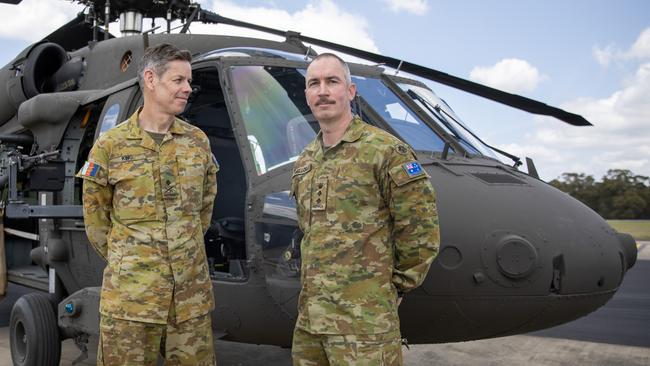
[
  {"x": 278, "y": 121},
  {"x": 413, "y": 130}
]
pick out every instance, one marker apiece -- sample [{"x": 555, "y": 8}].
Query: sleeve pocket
[{"x": 400, "y": 177}]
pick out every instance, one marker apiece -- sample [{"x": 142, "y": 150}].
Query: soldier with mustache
[{"x": 368, "y": 214}]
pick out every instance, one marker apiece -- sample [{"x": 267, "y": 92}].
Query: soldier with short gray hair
[
  {"x": 149, "y": 187},
  {"x": 368, "y": 214}
]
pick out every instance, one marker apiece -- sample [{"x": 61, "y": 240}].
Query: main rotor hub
[{"x": 131, "y": 23}]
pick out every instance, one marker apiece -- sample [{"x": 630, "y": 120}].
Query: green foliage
[
  {"x": 639, "y": 229},
  {"x": 619, "y": 195}
]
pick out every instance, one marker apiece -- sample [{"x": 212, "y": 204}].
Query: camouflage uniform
[
  {"x": 146, "y": 209},
  {"x": 370, "y": 224}
]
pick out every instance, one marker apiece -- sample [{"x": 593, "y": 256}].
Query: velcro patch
[
  {"x": 90, "y": 169},
  {"x": 301, "y": 170},
  {"x": 413, "y": 169}
]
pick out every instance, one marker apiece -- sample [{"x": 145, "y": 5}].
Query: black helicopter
[{"x": 517, "y": 255}]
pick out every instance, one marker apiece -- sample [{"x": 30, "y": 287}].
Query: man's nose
[
  {"x": 323, "y": 89},
  {"x": 187, "y": 88}
]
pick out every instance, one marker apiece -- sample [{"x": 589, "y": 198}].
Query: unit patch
[
  {"x": 90, "y": 169},
  {"x": 402, "y": 149},
  {"x": 413, "y": 169}
]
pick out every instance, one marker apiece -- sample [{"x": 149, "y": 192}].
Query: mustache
[{"x": 324, "y": 101}]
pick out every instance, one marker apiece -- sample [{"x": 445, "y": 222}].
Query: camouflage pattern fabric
[
  {"x": 125, "y": 342},
  {"x": 370, "y": 224},
  {"x": 146, "y": 209},
  {"x": 349, "y": 350}
]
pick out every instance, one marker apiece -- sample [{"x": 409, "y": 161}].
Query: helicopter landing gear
[{"x": 34, "y": 333}]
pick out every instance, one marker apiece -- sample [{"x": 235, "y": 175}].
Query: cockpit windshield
[
  {"x": 440, "y": 111},
  {"x": 393, "y": 110},
  {"x": 279, "y": 123}
]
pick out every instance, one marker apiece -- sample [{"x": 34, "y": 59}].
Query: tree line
[{"x": 619, "y": 195}]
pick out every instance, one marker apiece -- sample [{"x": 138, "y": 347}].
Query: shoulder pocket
[
  {"x": 406, "y": 173},
  {"x": 94, "y": 172}
]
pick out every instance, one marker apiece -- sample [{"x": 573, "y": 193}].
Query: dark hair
[
  {"x": 346, "y": 68},
  {"x": 157, "y": 57}
]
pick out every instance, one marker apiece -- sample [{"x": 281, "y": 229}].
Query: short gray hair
[
  {"x": 346, "y": 68},
  {"x": 158, "y": 57}
]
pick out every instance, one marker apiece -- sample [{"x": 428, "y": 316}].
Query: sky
[{"x": 590, "y": 57}]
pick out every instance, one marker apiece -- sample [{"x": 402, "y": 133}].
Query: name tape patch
[
  {"x": 413, "y": 169},
  {"x": 90, "y": 169}
]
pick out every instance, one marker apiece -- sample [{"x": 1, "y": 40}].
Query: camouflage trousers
[
  {"x": 346, "y": 350},
  {"x": 125, "y": 342}
]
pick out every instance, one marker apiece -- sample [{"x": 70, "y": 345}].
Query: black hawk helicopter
[{"x": 517, "y": 255}]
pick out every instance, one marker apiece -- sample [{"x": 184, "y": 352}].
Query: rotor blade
[
  {"x": 513, "y": 100},
  {"x": 14, "y": 2},
  {"x": 75, "y": 34}
]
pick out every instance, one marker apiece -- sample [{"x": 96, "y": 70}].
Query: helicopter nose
[{"x": 628, "y": 244}]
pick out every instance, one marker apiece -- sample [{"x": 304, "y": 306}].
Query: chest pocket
[
  {"x": 355, "y": 189},
  {"x": 134, "y": 196},
  {"x": 191, "y": 171}
]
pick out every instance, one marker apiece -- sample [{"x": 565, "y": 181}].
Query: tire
[{"x": 34, "y": 333}]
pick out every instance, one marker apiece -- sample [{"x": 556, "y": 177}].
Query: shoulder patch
[
  {"x": 402, "y": 149},
  {"x": 407, "y": 172},
  {"x": 93, "y": 172},
  {"x": 413, "y": 169},
  {"x": 90, "y": 169}
]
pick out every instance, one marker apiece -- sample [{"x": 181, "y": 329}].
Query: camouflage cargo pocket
[
  {"x": 191, "y": 171},
  {"x": 134, "y": 196}
]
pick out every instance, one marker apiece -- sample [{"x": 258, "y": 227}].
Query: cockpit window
[
  {"x": 393, "y": 110},
  {"x": 440, "y": 112},
  {"x": 278, "y": 121}
]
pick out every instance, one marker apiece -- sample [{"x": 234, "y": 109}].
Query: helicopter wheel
[{"x": 34, "y": 333}]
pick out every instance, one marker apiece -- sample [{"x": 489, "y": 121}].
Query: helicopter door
[
  {"x": 225, "y": 240},
  {"x": 274, "y": 125}
]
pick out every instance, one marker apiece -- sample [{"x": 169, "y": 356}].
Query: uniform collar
[
  {"x": 354, "y": 130},
  {"x": 135, "y": 132},
  {"x": 352, "y": 134}
]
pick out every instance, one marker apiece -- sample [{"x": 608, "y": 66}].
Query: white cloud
[
  {"x": 417, "y": 7},
  {"x": 619, "y": 139},
  {"x": 510, "y": 74},
  {"x": 639, "y": 50},
  {"x": 31, "y": 20}
]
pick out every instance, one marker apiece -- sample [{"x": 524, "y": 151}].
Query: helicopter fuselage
[{"x": 516, "y": 254}]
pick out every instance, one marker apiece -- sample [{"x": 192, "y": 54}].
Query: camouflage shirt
[
  {"x": 146, "y": 209},
  {"x": 370, "y": 226}
]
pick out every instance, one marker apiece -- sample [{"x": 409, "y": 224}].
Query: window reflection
[
  {"x": 279, "y": 123},
  {"x": 277, "y": 118},
  {"x": 429, "y": 101},
  {"x": 415, "y": 132}
]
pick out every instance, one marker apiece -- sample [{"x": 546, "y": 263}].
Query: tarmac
[{"x": 616, "y": 334}]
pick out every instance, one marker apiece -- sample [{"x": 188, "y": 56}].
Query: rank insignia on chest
[
  {"x": 319, "y": 198},
  {"x": 413, "y": 169},
  {"x": 90, "y": 169}
]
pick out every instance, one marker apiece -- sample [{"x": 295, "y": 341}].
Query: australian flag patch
[
  {"x": 90, "y": 169},
  {"x": 413, "y": 169}
]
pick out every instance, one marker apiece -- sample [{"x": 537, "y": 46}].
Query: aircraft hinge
[{"x": 81, "y": 341}]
